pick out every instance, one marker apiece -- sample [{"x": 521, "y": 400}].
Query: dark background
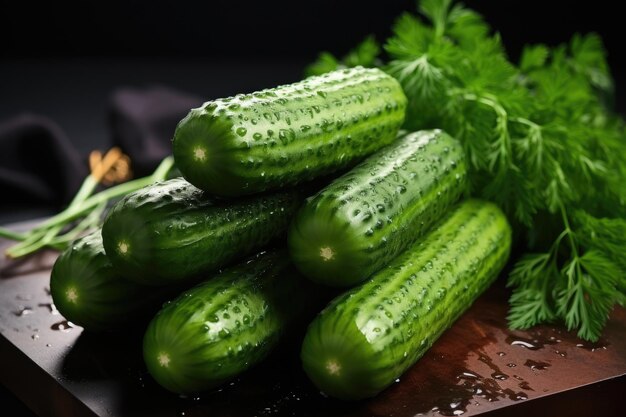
[
  {"x": 273, "y": 29},
  {"x": 63, "y": 60},
  {"x": 56, "y": 54}
]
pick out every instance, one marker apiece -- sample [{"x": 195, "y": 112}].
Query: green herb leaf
[
  {"x": 365, "y": 55},
  {"x": 541, "y": 142},
  {"x": 533, "y": 56}
]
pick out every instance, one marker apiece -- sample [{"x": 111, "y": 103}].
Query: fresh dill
[{"x": 542, "y": 143}]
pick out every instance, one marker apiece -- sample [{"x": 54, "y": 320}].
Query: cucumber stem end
[
  {"x": 72, "y": 295},
  {"x": 327, "y": 253},
  {"x": 199, "y": 154},
  {"x": 333, "y": 367},
  {"x": 164, "y": 359},
  {"x": 123, "y": 247}
]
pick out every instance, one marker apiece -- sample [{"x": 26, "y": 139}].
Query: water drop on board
[
  {"x": 63, "y": 326},
  {"x": 467, "y": 375},
  {"x": 455, "y": 404},
  {"x": 593, "y": 346},
  {"x": 23, "y": 311},
  {"x": 536, "y": 365},
  {"x": 524, "y": 344},
  {"x": 51, "y": 308}
]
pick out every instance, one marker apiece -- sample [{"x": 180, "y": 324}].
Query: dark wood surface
[{"x": 476, "y": 367}]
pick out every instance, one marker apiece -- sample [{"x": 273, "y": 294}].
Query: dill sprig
[{"x": 542, "y": 143}]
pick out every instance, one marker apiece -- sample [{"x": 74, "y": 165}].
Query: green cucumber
[
  {"x": 366, "y": 338},
  {"x": 289, "y": 134},
  {"x": 171, "y": 231},
  {"x": 89, "y": 292},
  {"x": 365, "y": 218},
  {"x": 224, "y": 326}
]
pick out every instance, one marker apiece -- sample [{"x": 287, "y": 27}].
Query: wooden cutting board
[{"x": 478, "y": 366}]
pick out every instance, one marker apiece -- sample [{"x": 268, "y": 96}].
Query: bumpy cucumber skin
[
  {"x": 365, "y": 218},
  {"x": 171, "y": 231},
  {"x": 366, "y": 338},
  {"x": 222, "y": 327},
  {"x": 89, "y": 292},
  {"x": 289, "y": 134}
]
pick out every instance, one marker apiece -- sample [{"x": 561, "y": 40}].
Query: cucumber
[
  {"x": 222, "y": 327},
  {"x": 289, "y": 134},
  {"x": 366, "y": 338},
  {"x": 89, "y": 292},
  {"x": 364, "y": 219},
  {"x": 171, "y": 231}
]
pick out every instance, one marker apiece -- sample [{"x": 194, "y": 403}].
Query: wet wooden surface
[{"x": 476, "y": 367}]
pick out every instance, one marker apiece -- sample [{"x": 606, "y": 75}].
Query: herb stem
[
  {"x": 503, "y": 142},
  {"x": 569, "y": 232},
  {"x": 46, "y": 234},
  {"x": 9, "y": 234}
]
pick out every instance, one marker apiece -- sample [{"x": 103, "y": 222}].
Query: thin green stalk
[
  {"x": 9, "y": 234},
  {"x": 91, "y": 221},
  {"x": 503, "y": 142},
  {"x": 41, "y": 236},
  {"x": 113, "y": 192},
  {"x": 35, "y": 237},
  {"x": 570, "y": 237},
  {"x": 86, "y": 189}
]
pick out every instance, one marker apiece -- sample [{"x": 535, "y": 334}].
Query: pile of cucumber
[{"x": 285, "y": 192}]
